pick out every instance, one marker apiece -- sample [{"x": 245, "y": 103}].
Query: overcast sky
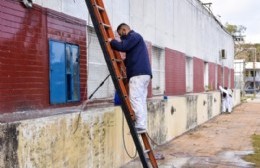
[{"x": 239, "y": 12}]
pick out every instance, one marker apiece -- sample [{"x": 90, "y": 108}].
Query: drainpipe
[{"x": 223, "y": 73}]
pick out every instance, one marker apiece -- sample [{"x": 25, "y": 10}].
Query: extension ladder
[{"x": 116, "y": 68}]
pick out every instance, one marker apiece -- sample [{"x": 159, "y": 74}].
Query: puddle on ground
[{"x": 225, "y": 159}]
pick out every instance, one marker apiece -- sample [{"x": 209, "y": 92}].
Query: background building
[{"x": 252, "y": 77}]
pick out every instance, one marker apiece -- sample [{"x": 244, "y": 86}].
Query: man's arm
[
  {"x": 126, "y": 44},
  {"x": 223, "y": 90}
]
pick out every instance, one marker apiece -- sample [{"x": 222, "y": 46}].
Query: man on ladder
[{"x": 138, "y": 70}]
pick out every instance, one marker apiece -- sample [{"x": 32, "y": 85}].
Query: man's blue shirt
[{"x": 137, "y": 58}]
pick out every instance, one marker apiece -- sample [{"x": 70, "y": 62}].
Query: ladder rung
[
  {"x": 100, "y": 8},
  {"x": 117, "y": 60},
  {"x": 105, "y": 25},
  {"x": 121, "y": 77},
  {"x": 146, "y": 151}
]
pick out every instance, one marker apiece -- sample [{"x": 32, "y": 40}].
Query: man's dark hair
[
  {"x": 120, "y": 26},
  {"x": 224, "y": 94}
]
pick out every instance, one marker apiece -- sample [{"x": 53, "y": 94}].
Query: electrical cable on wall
[{"x": 123, "y": 137}]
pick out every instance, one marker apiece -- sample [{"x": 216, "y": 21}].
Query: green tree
[{"x": 235, "y": 30}]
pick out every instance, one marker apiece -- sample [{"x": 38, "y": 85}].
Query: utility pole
[
  {"x": 244, "y": 78},
  {"x": 223, "y": 73},
  {"x": 254, "y": 49}
]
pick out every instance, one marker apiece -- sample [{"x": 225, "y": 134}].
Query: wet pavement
[{"x": 219, "y": 143}]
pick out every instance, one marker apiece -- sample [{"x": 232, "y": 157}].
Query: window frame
[
  {"x": 206, "y": 76},
  {"x": 66, "y": 98},
  {"x": 107, "y": 91},
  {"x": 189, "y": 74},
  {"x": 160, "y": 71}
]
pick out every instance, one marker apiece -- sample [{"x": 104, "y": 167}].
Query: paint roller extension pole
[{"x": 98, "y": 87}]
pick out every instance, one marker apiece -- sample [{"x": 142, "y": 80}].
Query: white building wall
[
  {"x": 182, "y": 25},
  {"x": 76, "y": 8},
  {"x": 250, "y": 65}
]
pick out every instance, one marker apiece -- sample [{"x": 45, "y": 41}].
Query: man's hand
[{"x": 109, "y": 39}]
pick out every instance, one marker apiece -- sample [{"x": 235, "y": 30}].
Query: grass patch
[
  {"x": 255, "y": 158},
  {"x": 248, "y": 96}
]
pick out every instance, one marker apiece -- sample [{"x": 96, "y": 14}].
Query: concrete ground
[{"x": 219, "y": 143}]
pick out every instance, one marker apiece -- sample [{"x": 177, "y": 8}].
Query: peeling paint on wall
[
  {"x": 210, "y": 104},
  {"x": 191, "y": 111},
  {"x": 156, "y": 109},
  {"x": 56, "y": 144},
  {"x": 8, "y": 145}
]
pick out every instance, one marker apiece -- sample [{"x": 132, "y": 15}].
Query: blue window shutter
[
  {"x": 72, "y": 72},
  {"x": 57, "y": 72}
]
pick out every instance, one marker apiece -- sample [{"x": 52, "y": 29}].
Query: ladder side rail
[{"x": 148, "y": 147}]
